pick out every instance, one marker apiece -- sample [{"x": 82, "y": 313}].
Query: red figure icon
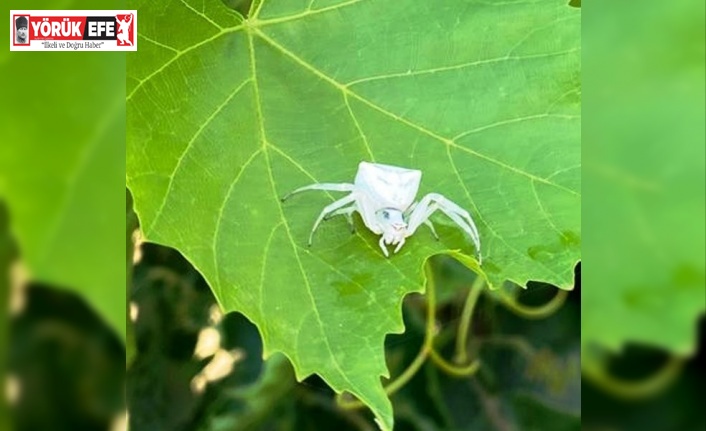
[{"x": 124, "y": 29}]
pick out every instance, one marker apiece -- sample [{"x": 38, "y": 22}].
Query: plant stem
[
  {"x": 652, "y": 385},
  {"x": 455, "y": 370},
  {"x": 411, "y": 370},
  {"x": 465, "y": 323},
  {"x": 539, "y": 312},
  {"x": 431, "y": 305}
]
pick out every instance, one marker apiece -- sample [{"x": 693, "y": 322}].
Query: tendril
[
  {"x": 427, "y": 350},
  {"x": 595, "y": 370},
  {"x": 465, "y": 323},
  {"x": 539, "y": 312}
]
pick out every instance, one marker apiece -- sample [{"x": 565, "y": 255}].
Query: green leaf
[
  {"x": 61, "y": 171},
  {"x": 226, "y": 115},
  {"x": 644, "y": 265}
]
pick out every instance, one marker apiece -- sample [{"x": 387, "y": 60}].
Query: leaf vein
[
  {"x": 306, "y": 13},
  {"x": 403, "y": 120},
  {"x": 512, "y": 121},
  {"x": 180, "y": 53},
  {"x": 561, "y": 171},
  {"x": 562, "y": 97},
  {"x": 160, "y": 44},
  {"x": 490, "y": 228},
  {"x": 357, "y": 126},
  {"x": 353, "y": 282},
  {"x": 544, "y": 212},
  {"x": 189, "y": 146},
  {"x": 202, "y": 15},
  {"x": 455, "y": 67},
  {"x": 217, "y": 229},
  {"x": 538, "y": 29},
  {"x": 265, "y": 253},
  {"x": 324, "y": 335}
]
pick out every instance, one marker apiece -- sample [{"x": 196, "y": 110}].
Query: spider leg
[
  {"x": 449, "y": 207},
  {"x": 342, "y": 187},
  {"x": 410, "y": 210},
  {"x": 382, "y": 246},
  {"x": 347, "y": 211},
  {"x": 421, "y": 215},
  {"x": 427, "y": 222},
  {"x": 469, "y": 229},
  {"x": 431, "y": 226},
  {"x": 434, "y": 201},
  {"x": 399, "y": 245},
  {"x": 329, "y": 209}
]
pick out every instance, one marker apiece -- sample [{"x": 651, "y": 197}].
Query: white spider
[{"x": 384, "y": 196}]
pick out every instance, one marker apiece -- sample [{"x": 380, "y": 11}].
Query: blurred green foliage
[
  {"x": 62, "y": 164},
  {"x": 678, "y": 406},
  {"x": 529, "y": 379},
  {"x": 67, "y": 363},
  {"x": 644, "y": 192},
  {"x": 643, "y": 181},
  {"x": 8, "y": 254}
]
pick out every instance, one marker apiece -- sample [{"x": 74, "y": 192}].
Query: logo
[{"x": 73, "y": 30}]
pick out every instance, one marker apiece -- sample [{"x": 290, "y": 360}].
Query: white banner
[{"x": 73, "y": 30}]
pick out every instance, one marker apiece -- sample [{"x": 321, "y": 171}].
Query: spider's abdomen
[{"x": 388, "y": 186}]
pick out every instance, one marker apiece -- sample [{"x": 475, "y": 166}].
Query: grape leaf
[
  {"x": 644, "y": 269},
  {"x": 226, "y": 115}
]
